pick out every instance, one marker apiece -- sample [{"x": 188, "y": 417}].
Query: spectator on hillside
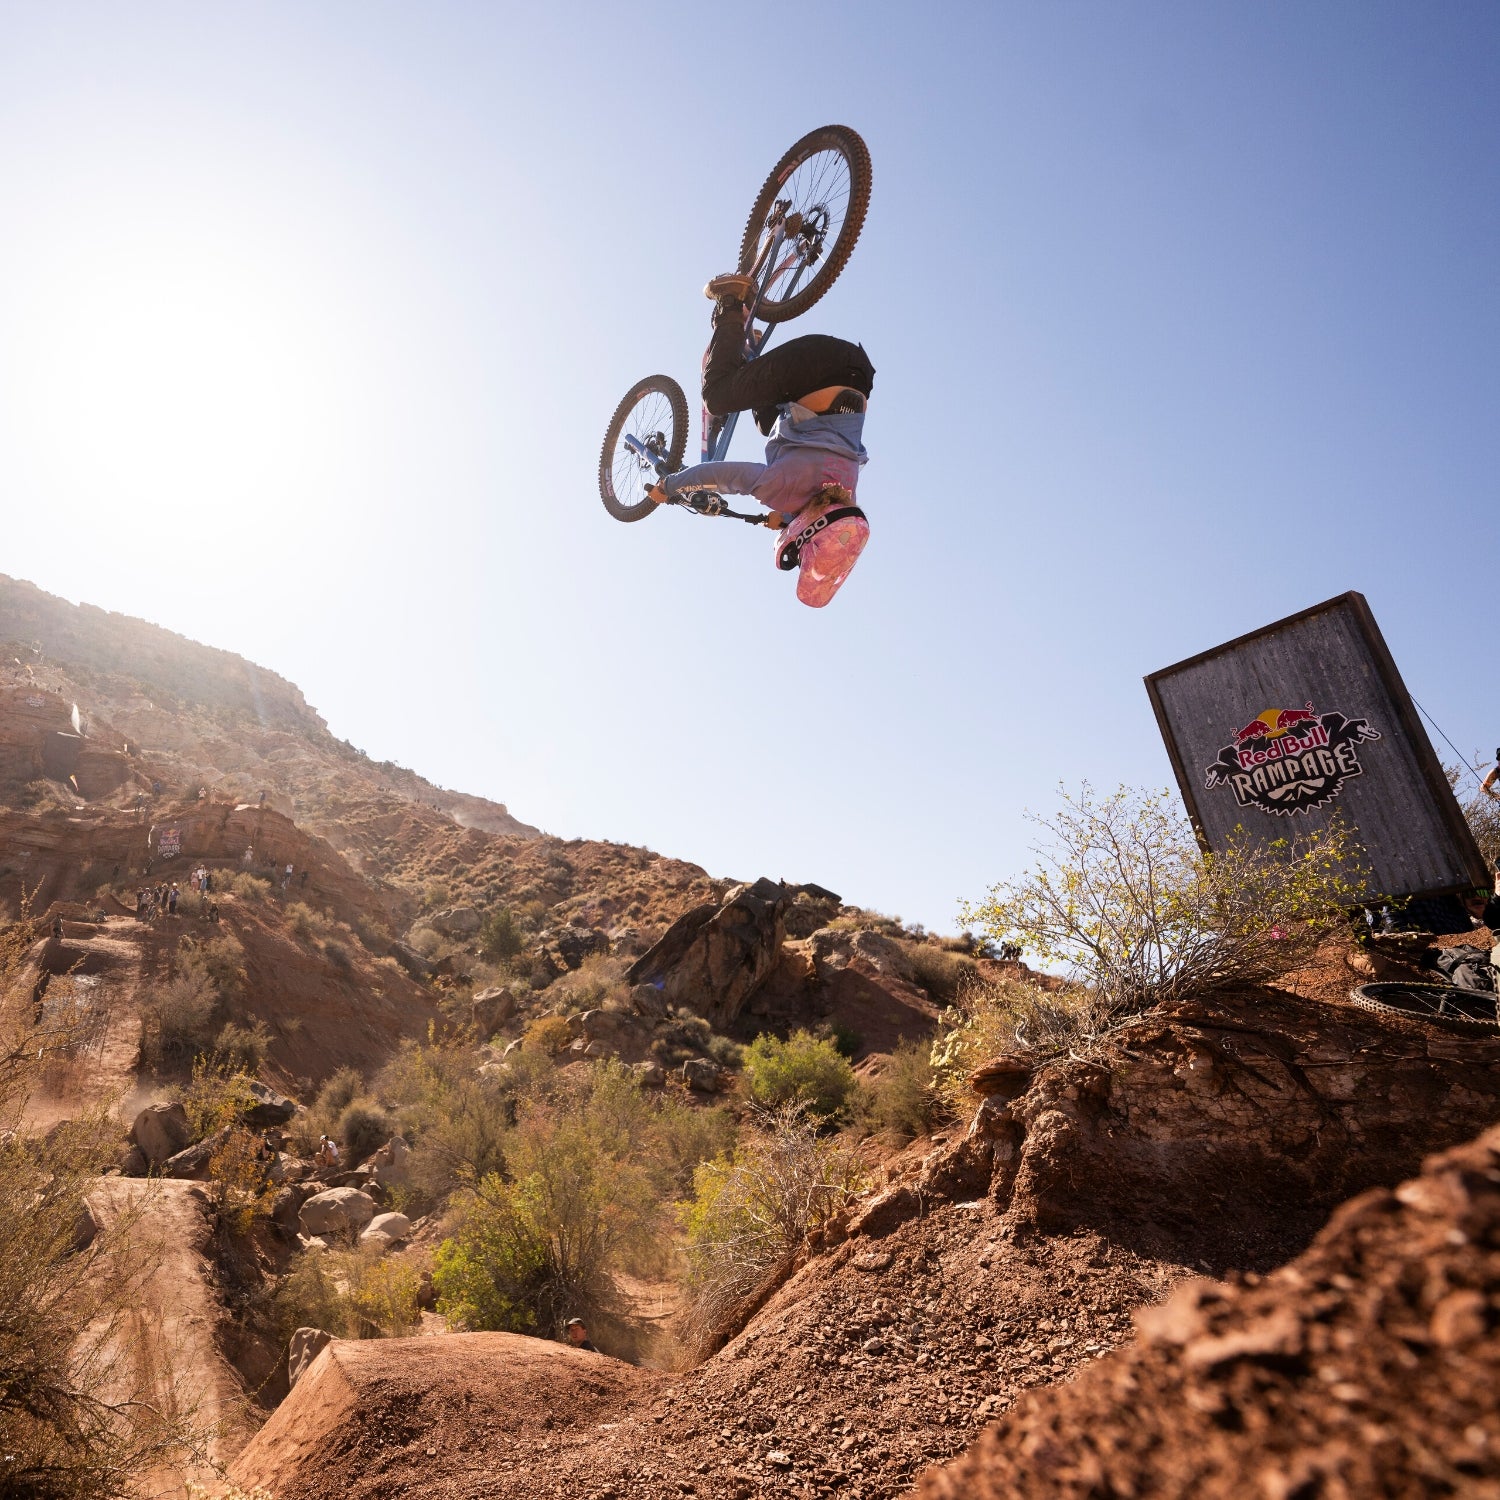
[
  {"x": 578, "y": 1334},
  {"x": 172, "y": 899},
  {"x": 286, "y": 879},
  {"x": 213, "y": 911},
  {"x": 248, "y": 857},
  {"x": 328, "y": 1152},
  {"x": 208, "y": 882}
]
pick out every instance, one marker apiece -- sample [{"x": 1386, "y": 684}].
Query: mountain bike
[{"x": 799, "y": 236}]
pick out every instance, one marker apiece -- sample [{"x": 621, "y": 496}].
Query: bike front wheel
[
  {"x": 644, "y": 441},
  {"x": 818, "y": 195}
]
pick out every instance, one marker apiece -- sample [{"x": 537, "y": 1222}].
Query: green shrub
[
  {"x": 548, "y": 1035},
  {"x": 501, "y": 937},
  {"x": 753, "y": 1211},
  {"x": 245, "y": 886},
  {"x": 338, "y": 956},
  {"x": 802, "y": 1070},
  {"x": 179, "y": 1017},
  {"x": 726, "y": 1052},
  {"x": 941, "y": 972},
  {"x": 530, "y": 1251},
  {"x": 1127, "y": 901},
  {"x": 903, "y": 1098},
  {"x": 364, "y": 1127},
  {"x": 243, "y": 1048},
  {"x": 353, "y": 1294}
]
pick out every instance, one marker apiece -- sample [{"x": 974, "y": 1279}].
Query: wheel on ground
[
  {"x": 823, "y": 184},
  {"x": 654, "y": 413},
  {"x": 1444, "y": 1004}
]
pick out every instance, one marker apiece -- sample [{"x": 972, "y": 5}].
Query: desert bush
[
  {"x": 364, "y": 1127},
  {"x": 753, "y": 1211},
  {"x": 82, "y": 1417},
  {"x": 338, "y": 956},
  {"x": 218, "y": 1094},
  {"x": 1483, "y": 814},
  {"x": 597, "y": 982},
  {"x": 529, "y": 1251},
  {"x": 306, "y": 922},
  {"x": 940, "y": 971},
  {"x": 726, "y": 1052},
  {"x": 353, "y": 1294},
  {"x": 426, "y": 940},
  {"x": 239, "y": 1184},
  {"x": 339, "y": 1091},
  {"x": 803, "y": 1070},
  {"x": 243, "y": 1047},
  {"x": 548, "y": 1035},
  {"x": 1016, "y": 1017},
  {"x": 245, "y": 886},
  {"x": 1128, "y": 903},
  {"x": 501, "y": 937},
  {"x": 179, "y": 1017},
  {"x": 220, "y": 959},
  {"x": 904, "y": 1098}
]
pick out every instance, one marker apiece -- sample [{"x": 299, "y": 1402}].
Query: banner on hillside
[
  {"x": 1342, "y": 738},
  {"x": 169, "y": 843}
]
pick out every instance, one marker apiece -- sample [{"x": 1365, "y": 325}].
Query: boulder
[
  {"x": 410, "y": 960},
  {"x": 1006, "y": 1076},
  {"x": 565, "y": 948},
  {"x": 836, "y": 948},
  {"x": 702, "y": 1076},
  {"x": 192, "y": 1161},
  {"x": 390, "y": 1164},
  {"x": 85, "y": 1227},
  {"x": 491, "y": 1009},
  {"x": 270, "y": 1108},
  {"x": 648, "y": 1000},
  {"x": 455, "y": 922},
  {"x": 339, "y": 1211},
  {"x": 307, "y": 1344},
  {"x": 385, "y": 1230},
  {"x": 161, "y": 1130},
  {"x": 132, "y": 1162},
  {"x": 714, "y": 957},
  {"x": 650, "y": 1075}
]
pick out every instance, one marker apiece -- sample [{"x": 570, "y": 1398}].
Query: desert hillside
[{"x": 330, "y": 1110}]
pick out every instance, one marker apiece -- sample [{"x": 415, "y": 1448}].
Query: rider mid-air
[
  {"x": 813, "y": 392},
  {"x": 808, "y": 396}
]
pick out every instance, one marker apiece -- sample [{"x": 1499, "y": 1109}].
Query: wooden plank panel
[{"x": 1279, "y": 730}]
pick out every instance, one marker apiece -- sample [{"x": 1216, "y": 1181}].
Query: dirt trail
[
  {"x": 93, "y": 974},
  {"x": 168, "y": 1346}
]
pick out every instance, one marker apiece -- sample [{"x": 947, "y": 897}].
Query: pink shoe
[{"x": 824, "y": 543}]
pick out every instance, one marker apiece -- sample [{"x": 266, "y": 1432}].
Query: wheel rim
[
  {"x": 650, "y": 419},
  {"x": 818, "y": 189}
]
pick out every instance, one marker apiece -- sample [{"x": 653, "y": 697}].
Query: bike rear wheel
[
  {"x": 654, "y": 413},
  {"x": 824, "y": 180},
  {"x": 1467, "y": 1011}
]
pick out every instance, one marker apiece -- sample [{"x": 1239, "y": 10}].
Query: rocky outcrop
[
  {"x": 455, "y": 922},
  {"x": 1369, "y": 1366},
  {"x": 306, "y": 1345},
  {"x": 341, "y": 1211},
  {"x": 491, "y": 1009},
  {"x": 270, "y": 1108},
  {"x": 385, "y": 1230},
  {"x": 1221, "y": 1130},
  {"x": 161, "y": 1131},
  {"x": 714, "y": 958}
]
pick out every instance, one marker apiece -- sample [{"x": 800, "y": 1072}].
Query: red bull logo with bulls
[{"x": 1291, "y": 760}]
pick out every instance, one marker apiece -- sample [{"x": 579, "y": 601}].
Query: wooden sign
[{"x": 1283, "y": 728}]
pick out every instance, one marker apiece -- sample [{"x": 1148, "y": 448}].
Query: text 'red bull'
[{"x": 1287, "y": 745}]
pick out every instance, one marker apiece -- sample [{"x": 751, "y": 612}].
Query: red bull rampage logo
[{"x": 1291, "y": 760}]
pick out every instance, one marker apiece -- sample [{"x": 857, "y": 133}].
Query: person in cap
[
  {"x": 578, "y": 1334},
  {"x": 809, "y": 397}
]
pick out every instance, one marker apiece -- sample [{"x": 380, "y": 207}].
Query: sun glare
[{"x": 167, "y": 371}]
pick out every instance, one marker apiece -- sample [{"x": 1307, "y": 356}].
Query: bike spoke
[
  {"x": 630, "y": 474},
  {"x": 818, "y": 186}
]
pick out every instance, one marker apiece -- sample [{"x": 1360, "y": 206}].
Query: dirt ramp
[
  {"x": 1369, "y": 1366},
  {"x": 459, "y": 1414}
]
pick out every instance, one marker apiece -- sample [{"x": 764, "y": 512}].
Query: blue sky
[{"x": 1184, "y": 317}]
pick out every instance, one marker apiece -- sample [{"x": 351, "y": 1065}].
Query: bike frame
[{"x": 718, "y": 432}]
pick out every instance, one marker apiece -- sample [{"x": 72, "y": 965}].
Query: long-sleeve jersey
[{"x": 808, "y": 451}]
